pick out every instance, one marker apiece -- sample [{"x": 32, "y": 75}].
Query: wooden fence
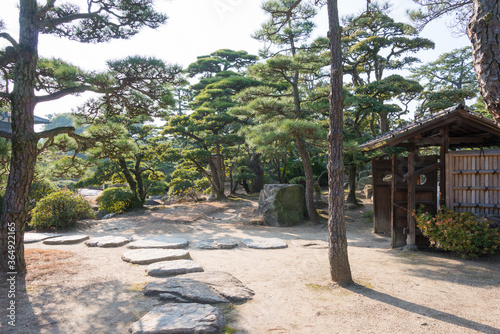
[{"x": 473, "y": 181}]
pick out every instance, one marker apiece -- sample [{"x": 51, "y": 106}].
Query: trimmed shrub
[
  {"x": 462, "y": 232},
  {"x": 60, "y": 210},
  {"x": 116, "y": 200},
  {"x": 39, "y": 190}
]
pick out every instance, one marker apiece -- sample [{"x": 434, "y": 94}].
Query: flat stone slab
[
  {"x": 265, "y": 243},
  {"x": 30, "y": 238},
  {"x": 108, "y": 241},
  {"x": 179, "y": 318},
  {"x": 224, "y": 283},
  {"x": 159, "y": 242},
  {"x": 216, "y": 244},
  {"x": 184, "y": 290},
  {"x": 66, "y": 240},
  {"x": 147, "y": 256},
  {"x": 172, "y": 268}
]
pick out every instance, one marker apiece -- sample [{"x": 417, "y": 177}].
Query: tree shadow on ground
[
  {"x": 24, "y": 312},
  {"x": 422, "y": 310},
  {"x": 445, "y": 266}
]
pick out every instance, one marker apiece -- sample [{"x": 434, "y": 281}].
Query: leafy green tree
[
  {"x": 208, "y": 134},
  {"x": 64, "y": 120},
  {"x": 449, "y": 80},
  {"x": 99, "y": 21},
  {"x": 280, "y": 105},
  {"x": 374, "y": 43},
  {"x": 482, "y": 18}
]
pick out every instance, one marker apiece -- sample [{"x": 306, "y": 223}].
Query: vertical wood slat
[
  {"x": 393, "y": 200},
  {"x": 411, "y": 238}
]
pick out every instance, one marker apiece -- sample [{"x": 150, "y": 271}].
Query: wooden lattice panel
[{"x": 473, "y": 179}]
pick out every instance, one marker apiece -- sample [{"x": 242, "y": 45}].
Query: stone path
[
  {"x": 172, "y": 268},
  {"x": 187, "y": 290},
  {"x": 147, "y": 256},
  {"x": 159, "y": 242},
  {"x": 66, "y": 240},
  {"x": 108, "y": 241},
  {"x": 36, "y": 237},
  {"x": 264, "y": 243},
  {"x": 216, "y": 244},
  {"x": 180, "y": 319}
]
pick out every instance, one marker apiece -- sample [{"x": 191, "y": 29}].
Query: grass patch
[
  {"x": 136, "y": 287},
  {"x": 41, "y": 264},
  {"x": 319, "y": 287}
]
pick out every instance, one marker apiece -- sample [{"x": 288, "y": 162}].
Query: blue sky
[{"x": 199, "y": 27}]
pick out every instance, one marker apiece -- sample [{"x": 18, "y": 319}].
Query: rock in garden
[
  {"x": 36, "y": 237},
  {"x": 216, "y": 244},
  {"x": 108, "y": 241},
  {"x": 159, "y": 242},
  {"x": 66, "y": 240},
  {"x": 264, "y": 243},
  {"x": 184, "y": 289},
  {"x": 313, "y": 244},
  {"x": 147, "y": 256},
  {"x": 172, "y": 268},
  {"x": 282, "y": 204},
  {"x": 224, "y": 283},
  {"x": 177, "y": 318},
  {"x": 109, "y": 215}
]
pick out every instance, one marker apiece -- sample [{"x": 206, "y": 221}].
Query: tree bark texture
[
  {"x": 24, "y": 143},
  {"x": 258, "y": 181},
  {"x": 484, "y": 33},
  {"x": 308, "y": 173},
  {"x": 339, "y": 262}
]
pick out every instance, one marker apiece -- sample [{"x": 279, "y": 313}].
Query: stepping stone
[
  {"x": 181, "y": 319},
  {"x": 159, "y": 242},
  {"x": 147, "y": 256},
  {"x": 184, "y": 289},
  {"x": 108, "y": 241},
  {"x": 172, "y": 268},
  {"x": 217, "y": 244},
  {"x": 66, "y": 240},
  {"x": 224, "y": 283},
  {"x": 36, "y": 237},
  {"x": 265, "y": 243}
]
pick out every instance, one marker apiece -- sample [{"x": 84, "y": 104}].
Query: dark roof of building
[
  {"x": 467, "y": 129},
  {"x": 5, "y": 118}
]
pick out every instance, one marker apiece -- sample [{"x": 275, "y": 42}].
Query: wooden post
[
  {"x": 393, "y": 200},
  {"x": 410, "y": 239},
  {"x": 445, "y": 147}
]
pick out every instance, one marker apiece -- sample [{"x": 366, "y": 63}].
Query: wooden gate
[
  {"x": 473, "y": 181},
  {"x": 390, "y": 195}
]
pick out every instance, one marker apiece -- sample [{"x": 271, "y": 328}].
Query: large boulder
[{"x": 282, "y": 204}]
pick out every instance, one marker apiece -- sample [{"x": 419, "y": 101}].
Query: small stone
[
  {"x": 36, "y": 237},
  {"x": 172, "y": 268},
  {"x": 147, "y": 256},
  {"x": 66, "y": 240},
  {"x": 108, "y": 241},
  {"x": 217, "y": 244},
  {"x": 180, "y": 318},
  {"x": 109, "y": 215},
  {"x": 265, "y": 243},
  {"x": 159, "y": 242},
  {"x": 189, "y": 290},
  {"x": 314, "y": 244}
]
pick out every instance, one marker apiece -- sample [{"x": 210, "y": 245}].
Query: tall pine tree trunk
[
  {"x": 258, "y": 181},
  {"x": 24, "y": 145},
  {"x": 484, "y": 33},
  {"x": 337, "y": 239},
  {"x": 308, "y": 173}
]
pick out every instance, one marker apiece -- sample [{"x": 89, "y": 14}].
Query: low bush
[
  {"x": 39, "y": 190},
  {"x": 60, "y": 210},
  {"x": 462, "y": 232},
  {"x": 116, "y": 200}
]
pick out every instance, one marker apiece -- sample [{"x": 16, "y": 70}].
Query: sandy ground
[{"x": 91, "y": 290}]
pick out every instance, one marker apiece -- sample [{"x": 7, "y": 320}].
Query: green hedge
[
  {"x": 60, "y": 210},
  {"x": 116, "y": 200}
]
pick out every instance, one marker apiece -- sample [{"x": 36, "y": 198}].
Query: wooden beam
[
  {"x": 423, "y": 171},
  {"x": 411, "y": 239},
  {"x": 445, "y": 147}
]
